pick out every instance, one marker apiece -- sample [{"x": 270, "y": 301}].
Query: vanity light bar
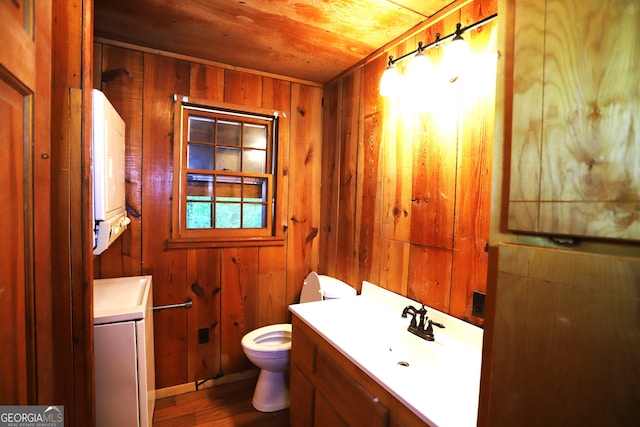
[{"x": 438, "y": 40}]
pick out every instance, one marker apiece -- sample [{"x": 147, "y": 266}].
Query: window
[{"x": 224, "y": 180}]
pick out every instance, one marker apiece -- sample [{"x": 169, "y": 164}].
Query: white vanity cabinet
[{"x": 123, "y": 348}]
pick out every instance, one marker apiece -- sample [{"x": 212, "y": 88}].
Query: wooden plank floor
[{"x": 219, "y": 406}]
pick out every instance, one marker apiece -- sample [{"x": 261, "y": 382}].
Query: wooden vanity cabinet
[
  {"x": 575, "y": 119},
  {"x": 327, "y": 389}
]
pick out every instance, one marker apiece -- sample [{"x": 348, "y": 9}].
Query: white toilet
[{"x": 268, "y": 347}]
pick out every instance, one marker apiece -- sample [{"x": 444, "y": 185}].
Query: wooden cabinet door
[
  {"x": 566, "y": 339},
  {"x": 25, "y": 269},
  {"x": 302, "y": 397},
  {"x": 576, "y": 119},
  {"x": 349, "y": 399}
]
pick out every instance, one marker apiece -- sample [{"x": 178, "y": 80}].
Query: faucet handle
[
  {"x": 413, "y": 322},
  {"x": 429, "y": 330},
  {"x": 423, "y": 317}
]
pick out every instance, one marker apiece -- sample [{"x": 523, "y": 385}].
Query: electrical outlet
[
  {"x": 203, "y": 335},
  {"x": 477, "y": 309}
]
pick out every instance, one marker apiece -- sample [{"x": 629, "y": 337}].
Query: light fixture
[
  {"x": 419, "y": 67},
  {"x": 391, "y": 80},
  {"x": 456, "y": 54}
]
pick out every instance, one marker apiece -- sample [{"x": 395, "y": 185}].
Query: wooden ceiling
[{"x": 312, "y": 40}]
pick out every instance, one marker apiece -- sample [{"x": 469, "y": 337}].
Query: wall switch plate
[
  {"x": 203, "y": 335},
  {"x": 477, "y": 308}
]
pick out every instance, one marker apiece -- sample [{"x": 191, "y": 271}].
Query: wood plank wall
[
  {"x": 408, "y": 197},
  {"x": 234, "y": 289}
]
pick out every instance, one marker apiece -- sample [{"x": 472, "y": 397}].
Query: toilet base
[{"x": 272, "y": 392}]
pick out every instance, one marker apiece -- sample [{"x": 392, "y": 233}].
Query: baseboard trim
[{"x": 175, "y": 390}]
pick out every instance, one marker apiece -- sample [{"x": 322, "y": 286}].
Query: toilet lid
[{"x": 316, "y": 287}]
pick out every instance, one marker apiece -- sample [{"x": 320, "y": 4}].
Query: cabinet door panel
[
  {"x": 567, "y": 325},
  {"x": 325, "y": 415},
  {"x": 303, "y": 352},
  {"x": 349, "y": 399},
  {"x": 576, "y": 132},
  {"x": 302, "y": 395}
]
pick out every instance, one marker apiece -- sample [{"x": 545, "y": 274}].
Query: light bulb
[
  {"x": 456, "y": 56},
  {"x": 418, "y": 76},
  {"x": 418, "y": 68},
  {"x": 390, "y": 82}
]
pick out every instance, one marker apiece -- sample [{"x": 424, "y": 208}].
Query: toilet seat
[{"x": 270, "y": 338}]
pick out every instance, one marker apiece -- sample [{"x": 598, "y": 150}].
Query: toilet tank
[{"x": 318, "y": 287}]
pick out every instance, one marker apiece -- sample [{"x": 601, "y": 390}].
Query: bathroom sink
[
  {"x": 120, "y": 299},
  {"x": 437, "y": 380}
]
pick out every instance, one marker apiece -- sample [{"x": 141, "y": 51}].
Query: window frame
[{"x": 181, "y": 236}]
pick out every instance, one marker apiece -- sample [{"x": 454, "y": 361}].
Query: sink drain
[{"x": 403, "y": 363}]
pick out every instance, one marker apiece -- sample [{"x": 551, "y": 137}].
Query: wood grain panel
[
  {"x": 435, "y": 141},
  {"x": 567, "y": 325},
  {"x": 398, "y": 163},
  {"x": 121, "y": 79},
  {"x": 350, "y": 399},
  {"x": 473, "y": 178},
  {"x": 305, "y": 162},
  {"x": 276, "y": 95},
  {"x": 162, "y": 78},
  {"x": 330, "y": 177},
  {"x": 394, "y": 266},
  {"x": 371, "y": 163},
  {"x": 527, "y": 90},
  {"x": 302, "y": 395},
  {"x": 369, "y": 210},
  {"x": 429, "y": 278},
  {"x": 239, "y": 276},
  {"x": 16, "y": 286},
  {"x": 206, "y": 82},
  {"x": 203, "y": 280},
  {"x": 70, "y": 53},
  {"x": 242, "y": 88},
  {"x": 42, "y": 207},
  {"x": 591, "y": 104},
  {"x": 272, "y": 286},
  {"x": 314, "y": 41},
  {"x": 577, "y": 108},
  {"x": 346, "y": 260}
]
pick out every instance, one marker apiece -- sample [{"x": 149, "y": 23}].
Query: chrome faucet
[{"x": 422, "y": 328}]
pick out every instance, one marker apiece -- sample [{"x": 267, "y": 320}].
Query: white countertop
[{"x": 442, "y": 382}]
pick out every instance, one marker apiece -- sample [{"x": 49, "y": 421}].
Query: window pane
[
  {"x": 199, "y": 214},
  {"x": 254, "y": 189},
  {"x": 228, "y": 159},
  {"x": 254, "y": 161},
  {"x": 229, "y": 133},
  {"x": 200, "y": 156},
  {"x": 255, "y": 136},
  {"x": 199, "y": 186},
  {"x": 228, "y": 186},
  {"x": 227, "y": 214},
  {"x": 253, "y": 216},
  {"x": 201, "y": 129}
]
